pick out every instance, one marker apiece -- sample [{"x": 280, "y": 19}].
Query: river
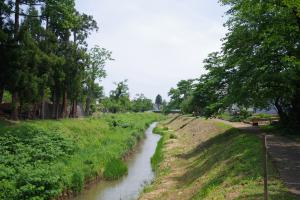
[{"x": 139, "y": 174}]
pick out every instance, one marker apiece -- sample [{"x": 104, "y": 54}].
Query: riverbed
[{"x": 139, "y": 175}]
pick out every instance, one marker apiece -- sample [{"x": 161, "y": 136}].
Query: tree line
[
  {"x": 257, "y": 67},
  {"x": 45, "y": 59}
]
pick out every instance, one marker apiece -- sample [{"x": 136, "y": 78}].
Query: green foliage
[
  {"x": 258, "y": 66},
  {"x": 97, "y": 58},
  {"x": 158, "y": 156},
  {"x": 40, "y": 159},
  {"x": 179, "y": 94},
  {"x": 115, "y": 169},
  {"x": 44, "y": 57},
  {"x": 141, "y": 104},
  {"x": 235, "y": 117},
  {"x": 6, "y": 97},
  {"x": 119, "y": 101},
  {"x": 77, "y": 182}
]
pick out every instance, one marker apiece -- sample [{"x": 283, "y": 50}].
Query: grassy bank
[
  {"x": 210, "y": 160},
  {"x": 157, "y": 158},
  {"x": 42, "y": 159}
]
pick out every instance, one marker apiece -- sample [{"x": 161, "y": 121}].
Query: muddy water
[{"x": 139, "y": 174}]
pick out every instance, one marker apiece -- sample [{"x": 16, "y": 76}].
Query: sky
[{"x": 155, "y": 43}]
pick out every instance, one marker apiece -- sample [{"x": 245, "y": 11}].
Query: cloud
[{"x": 155, "y": 43}]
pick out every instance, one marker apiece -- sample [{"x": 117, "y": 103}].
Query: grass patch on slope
[
  {"x": 229, "y": 166},
  {"x": 41, "y": 159},
  {"x": 158, "y": 156}
]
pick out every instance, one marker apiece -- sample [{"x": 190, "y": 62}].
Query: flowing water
[{"x": 139, "y": 174}]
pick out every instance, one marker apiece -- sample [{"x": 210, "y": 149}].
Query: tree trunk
[
  {"x": 296, "y": 110},
  {"x": 42, "y": 115},
  {"x": 282, "y": 114},
  {"x": 72, "y": 112},
  {"x": 53, "y": 104},
  {"x": 56, "y": 105},
  {"x": 75, "y": 109},
  {"x": 87, "y": 106},
  {"x": 64, "y": 105},
  {"x": 15, "y": 106},
  {"x": 57, "y": 109},
  {"x": 17, "y": 19}
]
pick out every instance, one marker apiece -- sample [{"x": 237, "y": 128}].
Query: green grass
[
  {"x": 158, "y": 157},
  {"x": 232, "y": 118},
  {"x": 42, "y": 159},
  {"x": 229, "y": 166},
  {"x": 290, "y": 133},
  {"x": 261, "y": 116},
  {"x": 115, "y": 169}
]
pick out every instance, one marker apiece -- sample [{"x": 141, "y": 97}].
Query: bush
[{"x": 115, "y": 169}]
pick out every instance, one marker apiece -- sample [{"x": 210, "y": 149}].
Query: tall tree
[
  {"x": 97, "y": 59},
  {"x": 158, "y": 101}
]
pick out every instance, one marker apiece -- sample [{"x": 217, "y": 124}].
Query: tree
[
  {"x": 97, "y": 59},
  {"x": 180, "y": 93},
  {"x": 259, "y": 64},
  {"x": 158, "y": 101},
  {"x": 44, "y": 57},
  {"x": 261, "y": 57},
  {"x": 118, "y": 101},
  {"x": 141, "y": 103}
]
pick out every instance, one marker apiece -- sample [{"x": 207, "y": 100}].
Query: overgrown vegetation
[
  {"x": 115, "y": 169},
  {"x": 41, "y": 159}
]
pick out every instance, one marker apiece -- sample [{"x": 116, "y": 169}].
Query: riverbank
[
  {"x": 140, "y": 173},
  {"x": 43, "y": 159},
  {"x": 210, "y": 160}
]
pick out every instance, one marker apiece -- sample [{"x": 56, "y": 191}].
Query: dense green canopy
[
  {"x": 259, "y": 64},
  {"x": 45, "y": 57}
]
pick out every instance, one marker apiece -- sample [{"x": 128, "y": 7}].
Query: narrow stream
[{"x": 139, "y": 174}]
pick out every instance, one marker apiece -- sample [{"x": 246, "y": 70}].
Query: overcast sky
[{"x": 155, "y": 43}]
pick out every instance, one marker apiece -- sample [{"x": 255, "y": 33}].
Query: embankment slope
[{"x": 211, "y": 160}]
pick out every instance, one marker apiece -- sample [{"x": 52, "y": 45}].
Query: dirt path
[{"x": 284, "y": 152}]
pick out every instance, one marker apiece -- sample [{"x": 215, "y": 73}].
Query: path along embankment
[{"x": 207, "y": 159}]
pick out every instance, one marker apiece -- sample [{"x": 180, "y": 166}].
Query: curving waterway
[{"x": 139, "y": 174}]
